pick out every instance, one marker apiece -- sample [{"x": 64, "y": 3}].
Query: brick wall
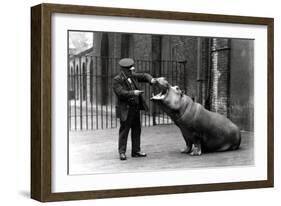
[{"x": 220, "y": 70}]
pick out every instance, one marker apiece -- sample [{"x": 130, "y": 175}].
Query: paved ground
[{"x": 96, "y": 152}]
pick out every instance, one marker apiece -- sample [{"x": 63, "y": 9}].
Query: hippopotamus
[{"x": 203, "y": 130}]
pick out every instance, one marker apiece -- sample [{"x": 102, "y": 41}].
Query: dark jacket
[{"x": 125, "y": 94}]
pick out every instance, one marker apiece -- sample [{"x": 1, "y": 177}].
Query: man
[{"x": 130, "y": 102}]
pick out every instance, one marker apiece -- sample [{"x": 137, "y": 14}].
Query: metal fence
[{"x": 91, "y": 100}]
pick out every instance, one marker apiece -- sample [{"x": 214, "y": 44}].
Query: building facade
[{"x": 216, "y": 72}]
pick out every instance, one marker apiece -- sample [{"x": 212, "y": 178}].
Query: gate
[{"x": 91, "y": 100}]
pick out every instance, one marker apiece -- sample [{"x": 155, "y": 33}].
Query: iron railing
[{"x": 91, "y": 100}]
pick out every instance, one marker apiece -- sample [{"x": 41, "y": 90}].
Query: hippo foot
[{"x": 196, "y": 150}]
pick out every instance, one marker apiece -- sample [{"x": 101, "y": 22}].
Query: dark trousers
[{"x": 132, "y": 122}]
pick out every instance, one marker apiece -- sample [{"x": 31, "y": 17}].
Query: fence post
[{"x": 89, "y": 112}]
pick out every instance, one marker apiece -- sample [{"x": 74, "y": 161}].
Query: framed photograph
[{"x": 128, "y": 102}]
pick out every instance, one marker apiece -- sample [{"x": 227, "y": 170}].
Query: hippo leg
[
  {"x": 196, "y": 149},
  {"x": 187, "y": 136},
  {"x": 192, "y": 140}
]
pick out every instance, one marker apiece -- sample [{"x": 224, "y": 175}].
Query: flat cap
[{"x": 126, "y": 62}]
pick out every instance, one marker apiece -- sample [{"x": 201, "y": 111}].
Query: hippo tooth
[
  {"x": 153, "y": 95},
  {"x": 158, "y": 97}
]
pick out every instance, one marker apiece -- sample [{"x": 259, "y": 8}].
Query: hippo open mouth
[
  {"x": 164, "y": 89},
  {"x": 161, "y": 95}
]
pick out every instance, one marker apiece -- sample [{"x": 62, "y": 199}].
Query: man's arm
[
  {"x": 123, "y": 93},
  {"x": 144, "y": 77}
]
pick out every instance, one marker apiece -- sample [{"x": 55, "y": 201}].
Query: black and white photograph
[
  {"x": 153, "y": 102},
  {"x": 134, "y": 102}
]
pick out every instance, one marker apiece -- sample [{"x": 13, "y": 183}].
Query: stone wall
[
  {"x": 220, "y": 70},
  {"x": 242, "y": 83}
]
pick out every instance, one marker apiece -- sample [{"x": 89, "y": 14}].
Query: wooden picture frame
[{"x": 41, "y": 98}]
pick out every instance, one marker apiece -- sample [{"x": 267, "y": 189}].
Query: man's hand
[
  {"x": 138, "y": 92},
  {"x": 153, "y": 80}
]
